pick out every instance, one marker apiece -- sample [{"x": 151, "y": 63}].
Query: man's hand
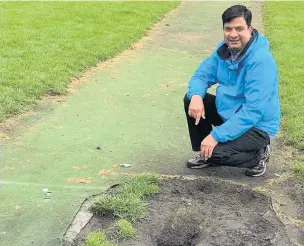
[
  {"x": 196, "y": 108},
  {"x": 207, "y": 147}
]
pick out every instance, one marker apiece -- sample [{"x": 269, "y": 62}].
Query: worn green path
[{"x": 131, "y": 109}]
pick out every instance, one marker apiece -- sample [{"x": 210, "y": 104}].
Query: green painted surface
[{"x": 132, "y": 109}]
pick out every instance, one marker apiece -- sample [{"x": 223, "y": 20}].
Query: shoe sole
[
  {"x": 260, "y": 174},
  {"x": 191, "y": 166}
]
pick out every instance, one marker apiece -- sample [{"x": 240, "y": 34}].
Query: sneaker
[
  {"x": 197, "y": 163},
  {"x": 260, "y": 169},
  {"x": 266, "y": 154}
]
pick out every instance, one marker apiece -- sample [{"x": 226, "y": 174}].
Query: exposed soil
[{"x": 203, "y": 212}]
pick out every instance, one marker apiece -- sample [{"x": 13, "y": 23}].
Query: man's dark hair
[{"x": 237, "y": 11}]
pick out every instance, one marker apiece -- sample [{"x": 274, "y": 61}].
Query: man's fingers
[
  {"x": 196, "y": 114},
  {"x": 210, "y": 150},
  {"x": 204, "y": 152},
  {"x": 203, "y": 114},
  {"x": 197, "y": 120},
  {"x": 198, "y": 117},
  {"x": 192, "y": 113}
]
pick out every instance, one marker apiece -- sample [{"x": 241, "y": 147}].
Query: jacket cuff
[
  {"x": 189, "y": 95},
  {"x": 215, "y": 136}
]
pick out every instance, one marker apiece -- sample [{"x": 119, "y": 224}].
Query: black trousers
[{"x": 245, "y": 151}]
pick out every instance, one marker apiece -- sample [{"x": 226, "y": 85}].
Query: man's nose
[{"x": 233, "y": 34}]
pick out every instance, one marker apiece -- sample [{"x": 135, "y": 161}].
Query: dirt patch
[
  {"x": 11, "y": 123},
  {"x": 80, "y": 180},
  {"x": 107, "y": 172},
  {"x": 203, "y": 212},
  {"x": 79, "y": 168},
  {"x": 4, "y": 137}
]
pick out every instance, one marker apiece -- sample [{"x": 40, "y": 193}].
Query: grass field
[
  {"x": 44, "y": 44},
  {"x": 284, "y": 24}
]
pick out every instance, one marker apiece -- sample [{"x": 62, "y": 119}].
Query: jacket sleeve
[
  {"x": 204, "y": 77},
  {"x": 260, "y": 80}
]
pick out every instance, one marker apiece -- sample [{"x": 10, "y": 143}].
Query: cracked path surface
[{"x": 131, "y": 108}]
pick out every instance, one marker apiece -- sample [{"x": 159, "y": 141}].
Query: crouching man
[{"x": 234, "y": 128}]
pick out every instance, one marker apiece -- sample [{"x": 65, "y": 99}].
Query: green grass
[
  {"x": 97, "y": 239},
  {"x": 299, "y": 171},
  {"x": 284, "y": 24},
  {"x": 44, "y": 44},
  {"x": 127, "y": 202},
  {"x": 125, "y": 228}
]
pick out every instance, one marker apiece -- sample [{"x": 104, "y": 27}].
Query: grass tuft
[
  {"x": 299, "y": 171},
  {"x": 126, "y": 229},
  {"x": 127, "y": 202},
  {"x": 141, "y": 186},
  {"x": 97, "y": 239},
  {"x": 122, "y": 206}
]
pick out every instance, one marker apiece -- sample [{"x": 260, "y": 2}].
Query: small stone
[{"x": 190, "y": 177}]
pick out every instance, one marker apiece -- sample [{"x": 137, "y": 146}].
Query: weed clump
[
  {"x": 127, "y": 201},
  {"x": 97, "y": 239},
  {"x": 125, "y": 228}
]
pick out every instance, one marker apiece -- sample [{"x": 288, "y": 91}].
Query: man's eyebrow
[{"x": 233, "y": 26}]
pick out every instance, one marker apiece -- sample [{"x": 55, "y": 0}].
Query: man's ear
[{"x": 251, "y": 29}]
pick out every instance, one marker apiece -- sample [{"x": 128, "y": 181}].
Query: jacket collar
[{"x": 224, "y": 52}]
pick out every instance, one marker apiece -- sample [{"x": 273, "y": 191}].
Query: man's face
[{"x": 237, "y": 33}]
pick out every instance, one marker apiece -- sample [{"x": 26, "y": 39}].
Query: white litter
[
  {"x": 47, "y": 194},
  {"x": 125, "y": 165}
]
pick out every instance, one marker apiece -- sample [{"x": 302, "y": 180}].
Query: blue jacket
[{"x": 247, "y": 95}]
